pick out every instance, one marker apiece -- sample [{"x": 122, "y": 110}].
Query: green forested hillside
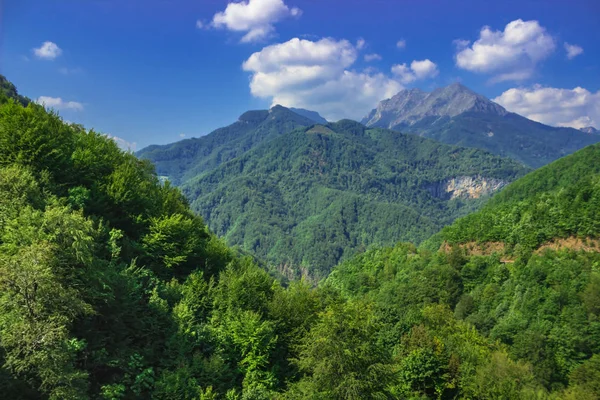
[
  {"x": 9, "y": 91},
  {"x": 110, "y": 288},
  {"x": 561, "y": 200},
  {"x": 188, "y": 158},
  {"x": 318, "y": 195}
]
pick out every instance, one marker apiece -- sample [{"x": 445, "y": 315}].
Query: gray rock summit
[
  {"x": 457, "y": 115},
  {"x": 412, "y": 105}
]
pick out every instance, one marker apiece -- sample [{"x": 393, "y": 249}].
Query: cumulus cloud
[
  {"x": 59, "y": 104},
  {"x": 47, "y": 51},
  {"x": 401, "y": 44},
  {"x": 418, "y": 70},
  {"x": 573, "y": 50},
  {"x": 254, "y": 17},
  {"x": 122, "y": 143},
  {"x": 372, "y": 57},
  {"x": 317, "y": 75},
  {"x": 511, "y": 54},
  {"x": 576, "y": 108}
]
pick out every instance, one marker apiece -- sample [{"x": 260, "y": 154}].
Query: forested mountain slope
[
  {"x": 459, "y": 116},
  {"x": 317, "y": 195},
  {"x": 188, "y": 158},
  {"x": 561, "y": 200},
  {"x": 9, "y": 91},
  {"x": 503, "y": 319},
  {"x": 110, "y": 288}
]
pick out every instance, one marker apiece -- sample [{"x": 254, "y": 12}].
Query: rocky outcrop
[{"x": 465, "y": 187}]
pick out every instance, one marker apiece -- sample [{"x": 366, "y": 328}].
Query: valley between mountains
[
  {"x": 115, "y": 284},
  {"x": 302, "y": 194}
]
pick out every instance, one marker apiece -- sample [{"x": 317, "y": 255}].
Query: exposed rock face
[
  {"x": 457, "y": 115},
  {"x": 411, "y": 106},
  {"x": 465, "y": 187}
]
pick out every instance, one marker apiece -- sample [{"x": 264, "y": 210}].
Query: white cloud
[
  {"x": 200, "y": 24},
  {"x": 418, "y": 70},
  {"x": 361, "y": 43},
  {"x": 576, "y": 108},
  {"x": 401, "y": 44},
  {"x": 317, "y": 75},
  {"x": 122, "y": 143},
  {"x": 59, "y": 104},
  {"x": 573, "y": 50},
  {"x": 511, "y": 54},
  {"x": 372, "y": 57},
  {"x": 47, "y": 51},
  {"x": 182, "y": 135},
  {"x": 255, "y": 17},
  {"x": 461, "y": 44}
]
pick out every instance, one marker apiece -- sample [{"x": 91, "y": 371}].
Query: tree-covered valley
[
  {"x": 111, "y": 287},
  {"x": 303, "y": 198}
]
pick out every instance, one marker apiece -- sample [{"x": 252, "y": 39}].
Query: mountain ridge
[
  {"x": 189, "y": 157},
  {"x": 319, "y": 194},
  {"x": 457, "y": 115}
]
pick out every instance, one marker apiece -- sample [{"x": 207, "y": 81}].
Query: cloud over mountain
[
  {"x": 418, "y": 70},
  {"x": 575, "y": 108},
  {"x": 512, "y": 54},
  {"x": 317, "y": 75}
]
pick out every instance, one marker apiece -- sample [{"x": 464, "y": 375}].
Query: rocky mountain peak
[{"x": 412, "y": 105}]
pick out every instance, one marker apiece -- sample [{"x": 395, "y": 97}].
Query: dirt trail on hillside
[{"x": 489, "y": 248}]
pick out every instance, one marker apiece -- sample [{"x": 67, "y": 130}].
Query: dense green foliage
[
  {"x": 111, "y": 288},
  {"x": 9, "y": 91},
  {"x": 318, "y": 195},
  {"x": 455, "y": 325},
  {"x": 560, "y": 200}
]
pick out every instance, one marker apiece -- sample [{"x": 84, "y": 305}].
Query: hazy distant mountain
[
  {"x": 187, "y": 158},
  {"x": 589, "y": 129},
  {"x": 457, "y": 115},
  {"x": 315, "y": 116}
]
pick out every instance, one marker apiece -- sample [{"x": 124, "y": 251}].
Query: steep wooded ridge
[
  {"x": 111, "y": 288},
  {"x": 524, "y": 215},
  {"x": 459, "y": 116},
  {"x": 188, "y": 158},
  {"x": 314, "y": 196}
]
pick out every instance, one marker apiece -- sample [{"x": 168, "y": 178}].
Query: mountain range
[
  {"x": 112, "y": 288},
  {"x": 307, "y": 198},
  {"x": 303, "y": 194},
  {"x": 457, "y": 115}
]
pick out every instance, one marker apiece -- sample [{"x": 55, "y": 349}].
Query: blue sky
[{"x": 155, "y": 71}]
